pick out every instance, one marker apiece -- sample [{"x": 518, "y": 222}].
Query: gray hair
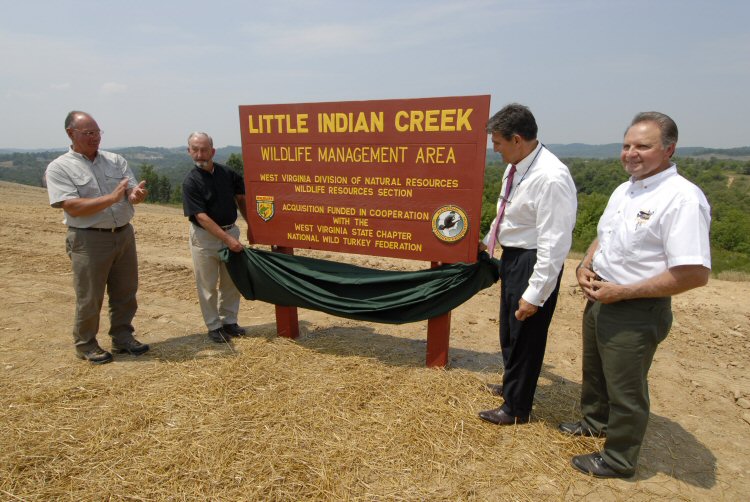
[
  {"x": 200, "y": 133},
  {"x": 513, "y": 119},
  {"x": 71, "y": 117},
  {"x": 667, "y": 126}
]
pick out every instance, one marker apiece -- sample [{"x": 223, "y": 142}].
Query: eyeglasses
[{"x": 90, "y": 134}]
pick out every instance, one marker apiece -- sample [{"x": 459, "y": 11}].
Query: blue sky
[{"x": 152, "y": 71}]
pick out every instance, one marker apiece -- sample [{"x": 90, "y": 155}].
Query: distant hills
[
  {"x": 579, "y": 150},
  {"x": 612, "y": 150},
  {"x": 27, "y": 166}
]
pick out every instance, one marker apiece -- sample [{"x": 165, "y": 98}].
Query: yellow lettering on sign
[
  {"x": 463, "y": 119},
  {"x": 431, "y": 120},
  {"x": 446, "y": 120},
  {"x": 349, "y": 241},
  {"x": 395, "y": 192},
  {"x": 286, "y": 153},
  {"x": 436, "y": 155},
  {"x": 350, "y": 122},
  {"x": 279, "y": 123}
]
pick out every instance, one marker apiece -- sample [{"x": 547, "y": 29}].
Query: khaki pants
[
  {"x": 217, "y": 294},
  {"x": 103, "y": 260}
]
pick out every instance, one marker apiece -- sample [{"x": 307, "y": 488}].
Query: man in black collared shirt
[{"x": 211, "y": 194}]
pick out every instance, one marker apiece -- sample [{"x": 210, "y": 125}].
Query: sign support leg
[
  {"x": 287, "y": 324},
  {"x": 438, "y": 338}
]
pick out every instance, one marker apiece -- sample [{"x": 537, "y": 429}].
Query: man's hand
[
  {"x": 671, "y": 282},
  {"x": 84, "y": 206},
  {"x": 586, "y": 278},
  {"x": 525, "y": 310},
  {"x": 607, "y": 292},
  {"x": 138, "y": 194},
  {"x": 233, "y": 244},
  {"x": 119, "y": 192}
]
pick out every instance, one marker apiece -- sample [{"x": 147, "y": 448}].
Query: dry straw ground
[{"x": 347, "y": 412}]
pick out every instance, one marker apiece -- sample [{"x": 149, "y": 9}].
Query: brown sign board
[{"x": 399, "y": 178}]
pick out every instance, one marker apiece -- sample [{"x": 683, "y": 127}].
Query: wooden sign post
[{"x": 396, "y": 178}]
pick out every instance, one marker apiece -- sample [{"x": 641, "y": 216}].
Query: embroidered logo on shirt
[{"x": 642, "y": 217}]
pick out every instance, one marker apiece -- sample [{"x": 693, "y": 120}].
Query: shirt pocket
[
  {"x": 86, "y": 186},
  {"x": 638, "y": 234},
  {"x": 521, "y": 213},
  {"x": 114, "y": 172}
]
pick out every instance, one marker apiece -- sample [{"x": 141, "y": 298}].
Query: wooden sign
[{"x": 397, "y": 178}]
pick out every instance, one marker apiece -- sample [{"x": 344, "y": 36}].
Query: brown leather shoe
[
  {"x": 95, "y": 356},
  {"x": 496, "y": 389},
  {"x": 499, "y": 417},
  {"x": 579, "y": 429},
  {"x": 133, "y": 347},
  {"x": 594, "y": 464}
]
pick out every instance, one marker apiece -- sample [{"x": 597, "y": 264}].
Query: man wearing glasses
[
  {"x": 96, "y": 191},
  {"x": 536, "y": 213}
]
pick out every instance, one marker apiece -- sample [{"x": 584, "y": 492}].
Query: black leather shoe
[
  {"x": 133, "y": 347},
  {"x": 218, "y": 335},
  {"x": 499, "y": 417},
  {"x": 594, "y": 464},
  {"x": 233, "y": 329},
  {"x": 578, "y": 429},
  {"x": 95, "y": 356},
  {"x": 496, "y": 389}
]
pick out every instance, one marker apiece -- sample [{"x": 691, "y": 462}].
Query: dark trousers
[
  {"x": 522, "y": 342},
  {"x": 619, "y": 342},
  {"x": 103, "y": 260}
]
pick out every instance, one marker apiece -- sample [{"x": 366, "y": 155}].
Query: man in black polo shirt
[{"x": 211, "y": 194}]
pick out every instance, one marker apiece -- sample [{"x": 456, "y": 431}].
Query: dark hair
[
  {"x": 513, "y": 119},
  {"x": 666, "y": 125},
  {"x": 71, "y": 117}
]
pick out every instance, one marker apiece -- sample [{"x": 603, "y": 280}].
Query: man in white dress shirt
[
  {"x": 652, "y": 243},
  {"x": 534, "y": 225}
]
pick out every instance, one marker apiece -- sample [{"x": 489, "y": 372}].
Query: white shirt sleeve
[
  {"x": 690, "y": 221},
  {"x": 556, "y": 217}
]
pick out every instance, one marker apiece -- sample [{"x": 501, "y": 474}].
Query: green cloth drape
[{"x": 356, "y": 292}]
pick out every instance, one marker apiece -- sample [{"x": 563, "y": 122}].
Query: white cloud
[
  {"x": 321, "y": 38},
  {"x": 62, "y": 86},
  {"x": 110, "y": 88}
]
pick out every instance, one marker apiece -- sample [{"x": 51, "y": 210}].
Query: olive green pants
[{"x": 619, "y": 342}]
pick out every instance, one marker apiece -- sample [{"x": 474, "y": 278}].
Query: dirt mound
[{"x": 348, "y": 411}]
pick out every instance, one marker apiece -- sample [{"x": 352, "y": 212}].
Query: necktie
[{"x": 495, "y": 229}]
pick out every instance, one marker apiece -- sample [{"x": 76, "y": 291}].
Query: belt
[
  {"x": 510, "y": 249},
  {"x": 227, "y": 227},
  {"x": 110, "y": 230}
]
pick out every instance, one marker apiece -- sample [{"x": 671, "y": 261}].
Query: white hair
[{"x": 200, "y": 133}]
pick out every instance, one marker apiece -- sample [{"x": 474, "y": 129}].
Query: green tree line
[
  {"x": 725, "y": 182},
  {"x": 160, "y": 189}
]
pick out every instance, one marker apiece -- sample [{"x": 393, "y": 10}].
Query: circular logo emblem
[{"x": 449, "y": 223}]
